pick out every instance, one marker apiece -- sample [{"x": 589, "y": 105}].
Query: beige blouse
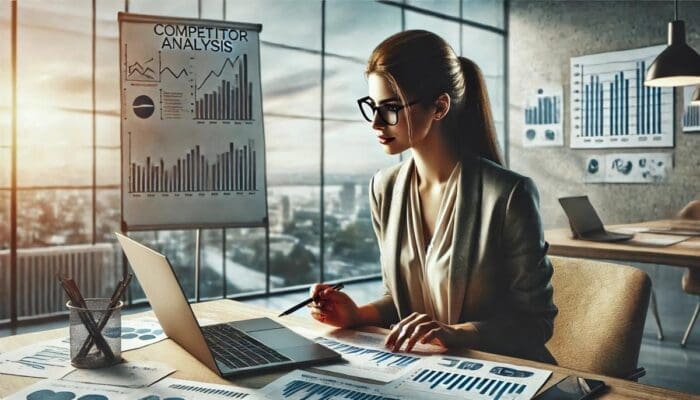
[{"x": 424, "y": 267}]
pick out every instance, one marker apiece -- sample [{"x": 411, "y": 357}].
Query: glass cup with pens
[
  {"x": 106, "y": 350},
  {"x": 95, "y": 326}
]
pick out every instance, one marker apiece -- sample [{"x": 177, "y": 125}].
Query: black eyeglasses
[{"x": 389, "y": 113}]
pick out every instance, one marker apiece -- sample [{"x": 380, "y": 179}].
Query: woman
[{"x": 463, "y": 255}]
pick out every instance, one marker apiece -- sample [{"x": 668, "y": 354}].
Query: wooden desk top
[
  {"x": 190, "y": 368},
  {"x": 683, "y": 254}
]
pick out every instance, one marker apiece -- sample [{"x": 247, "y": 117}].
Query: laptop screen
[{"x": 581, "y": 214}]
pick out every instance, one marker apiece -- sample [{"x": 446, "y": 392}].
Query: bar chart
[
  {"x": 233, "y": 170},
  {"x": 179, "y": 389},
  {"x": 229, "y": 98},
  {"x": 691, "y": 113},
  {"x": 194, "y": 388},
  {"x": 611, "y": 107},
  {"x": 461, "y": 384},
  {"x": 547, "y": 110},
  {"x": 543, "y": 117},
  {"x": 458, "y": 378},
  {"x": 368, "y": 355},
  {"x": 308, "y": 385},
  {"x": 298, "y": 389}
]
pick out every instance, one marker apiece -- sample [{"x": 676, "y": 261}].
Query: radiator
[{"x": 93, "y": 267}]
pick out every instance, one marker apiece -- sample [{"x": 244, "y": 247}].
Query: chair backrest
[
  {"x": 690, "y": 211},
  {"x": 602, "y": 308}
]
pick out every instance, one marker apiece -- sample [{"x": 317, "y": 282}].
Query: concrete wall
[{"x": 543, "y": 36}]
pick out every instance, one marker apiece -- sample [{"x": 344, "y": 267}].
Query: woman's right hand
[{"x": 333, "y": 307}]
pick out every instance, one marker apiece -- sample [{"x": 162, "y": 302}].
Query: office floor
[{"x": 667, "y": 364}]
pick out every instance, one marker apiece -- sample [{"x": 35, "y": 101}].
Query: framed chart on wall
[
  {"x": 611, "y": 107},
  {"x": 691, "y": 112},
  {"x": 191, "y": 123},
  {"x": 543, "y": 117}
]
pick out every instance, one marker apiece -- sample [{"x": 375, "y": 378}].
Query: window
[
  {"x": 489, "y": 12},
  {"x": 486, "y": 49},
  {"x": 448, "y": 30},
  {"x": 320, "y": 153},
  {"x": 5, "y": 158}
]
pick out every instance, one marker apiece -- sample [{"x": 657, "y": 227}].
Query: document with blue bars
[
  {"x": 303, "y": 385},
  {"x": 443, "y": 377},
  {"x": 366, "y": 357}
]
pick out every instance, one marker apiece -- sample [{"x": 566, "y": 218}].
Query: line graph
[
  {"x": 175, "y": 75},
  {"x": 151, "y": 70},
  {"x": 229, "y": 95},
  {"x": 221, "y": 71}
]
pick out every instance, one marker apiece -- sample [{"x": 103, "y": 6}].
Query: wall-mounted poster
[
  {"x": 543, "y": 118},
  {"x": 691, "y": 113},
  {"x": 627, "y": 167},
  {"x": 611, "y": 107}
]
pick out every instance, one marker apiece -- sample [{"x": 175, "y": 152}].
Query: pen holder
[{"x": 95, "y": 334}]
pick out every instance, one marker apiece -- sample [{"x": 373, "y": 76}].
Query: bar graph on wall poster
[
  {"x": 611, "y": 107},
  {"x": 691, "y": 113},
  {"x": 233, "y": 170},
  {"x": 230, "y": 98},
  {"x": 543, "y": 117}
]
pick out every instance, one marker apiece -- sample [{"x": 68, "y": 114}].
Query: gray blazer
[{"x": 499, "y": 270}]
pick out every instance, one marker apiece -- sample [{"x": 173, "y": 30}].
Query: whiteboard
[{"x": 192, "y": 136}]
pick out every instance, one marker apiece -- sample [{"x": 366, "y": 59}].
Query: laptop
[
  {"x": 585, "y": 223},
  {"x": 229, "y": 349}
]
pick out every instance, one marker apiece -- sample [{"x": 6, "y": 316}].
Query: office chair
[
  {"x": 602, "y": 308},
  {"x": 691, "y": 278}
]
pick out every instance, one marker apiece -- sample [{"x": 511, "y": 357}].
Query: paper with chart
[
  {"x": 142, "y": 332},
  {"x": 691, "y": 112},
  {"x": 128, "y": 374},
  {"x": 137, "y": 333},
  {"x": 60, "y": 390},
  {"x": 543, "y": 117},
  {"x": 49, "y": 359},
  {"x": 298, "y": 385},
  {"x": 367, "y": 357},
  {"x": 178, "y": 389},
  {"x": 192, "y": 131},
  {"x": 443, "y": 377},
  {"x": 611, "y": 107}
]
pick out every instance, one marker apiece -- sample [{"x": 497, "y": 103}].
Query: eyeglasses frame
[{"x": 375, "y": 109}]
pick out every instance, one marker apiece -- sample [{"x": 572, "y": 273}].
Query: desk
[
  {"x": 683, "y": 254},
  {"x": 190, "y": 368}
]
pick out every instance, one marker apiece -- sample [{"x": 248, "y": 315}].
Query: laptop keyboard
[{"x": 236, "y": 349}]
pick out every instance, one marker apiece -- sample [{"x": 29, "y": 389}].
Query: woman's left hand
[{"x": 421, "y": 327}]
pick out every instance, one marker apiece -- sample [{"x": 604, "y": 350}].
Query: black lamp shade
[{"x": 678, "y": 64}]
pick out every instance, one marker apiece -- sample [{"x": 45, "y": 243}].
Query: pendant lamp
[{"x": 678, "y": 64}]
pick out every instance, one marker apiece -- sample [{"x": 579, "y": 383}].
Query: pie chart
[{"x": 143, "y": 106}]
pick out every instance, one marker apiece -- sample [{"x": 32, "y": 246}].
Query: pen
[{"x": 337, "y": 286}]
